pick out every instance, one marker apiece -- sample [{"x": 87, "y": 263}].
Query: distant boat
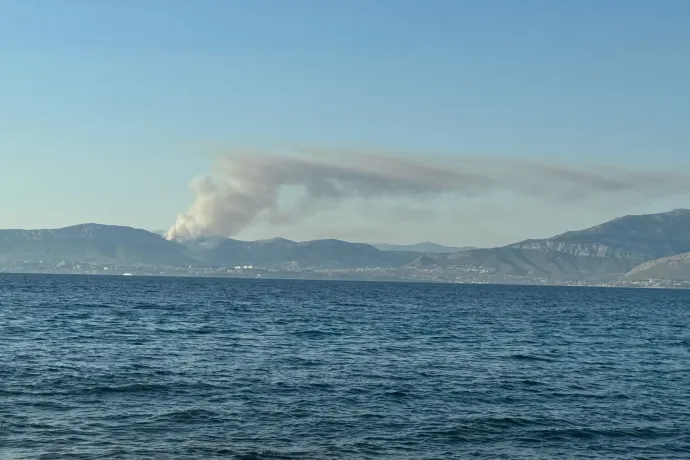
[{"x": 127, "y": 274}]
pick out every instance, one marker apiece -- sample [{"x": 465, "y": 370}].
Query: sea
[{"x": 100, "y": 367}]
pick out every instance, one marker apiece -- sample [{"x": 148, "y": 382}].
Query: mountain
[
  {"x": 107, "y": 244},
  {"x": 603, "y": 252},
  {"x": 426, "y": 247},
  {"x": 282, "y": 253},
  {"x": 675, "y": 267},
  {"x": 638, "y": 238},
  {"x": 92, "y": 243},
  {"x": 626, "y": 248},
  {"x": 499, "y": 264}
]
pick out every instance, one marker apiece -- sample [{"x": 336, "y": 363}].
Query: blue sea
[{"x": 169, "y": 368}]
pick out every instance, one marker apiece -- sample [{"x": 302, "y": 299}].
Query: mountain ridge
[
  {"x": 322, "y": 253},
  {"x": 636, "y": 237},
  {"x": 674, "y": 267},
  {"x": 424, "y": 247},
  {"x": 627, "y": 247},
  {"x": 91, "y": 243}
]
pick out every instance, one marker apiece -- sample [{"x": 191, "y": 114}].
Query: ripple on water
[{"x": 112, "y": 367}]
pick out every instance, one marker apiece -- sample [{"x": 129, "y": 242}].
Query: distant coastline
[
  {"x": 646, "y": 284},
  {"x": 645, "y": 250}
]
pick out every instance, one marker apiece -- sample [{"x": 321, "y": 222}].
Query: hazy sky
[{"x": 109, "y": 108}]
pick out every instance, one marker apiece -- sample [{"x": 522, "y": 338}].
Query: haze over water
[{"x": 106, "y": 367}]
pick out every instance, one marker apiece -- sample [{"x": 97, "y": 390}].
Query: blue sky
[{"x": 109, "y": 108}]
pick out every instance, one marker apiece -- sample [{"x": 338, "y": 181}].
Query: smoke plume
[{"x": 247, "y": 186}]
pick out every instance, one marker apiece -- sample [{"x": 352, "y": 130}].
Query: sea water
[{"x": 133, "y": 367}]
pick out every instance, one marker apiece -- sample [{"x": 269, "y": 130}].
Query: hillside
[
  {"x": 91, "y": 243},
  {"x": 603, "y": 252},
  {"x": 637, "y": 237},
  {"x": 497, "y": 264},
  {"x": 629, "y": 248},
  {"x": 675, "y": 267},
  {"x": 426, "y": 247},
  {"x": 282, "y": 253}
]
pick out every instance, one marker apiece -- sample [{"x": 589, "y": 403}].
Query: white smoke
[{"x": 248, "y": 185}]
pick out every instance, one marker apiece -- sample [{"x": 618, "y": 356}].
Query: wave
[
  {"x": 130, "y": 388},
  {"x": 188, "y": 415},
  {"x": 647, "y": 432},
  {"x": 523, "y": 357},
  {"x": 315, "y": 333}
]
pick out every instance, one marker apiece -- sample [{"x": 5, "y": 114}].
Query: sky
[{"x": 109, "y": 109}]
